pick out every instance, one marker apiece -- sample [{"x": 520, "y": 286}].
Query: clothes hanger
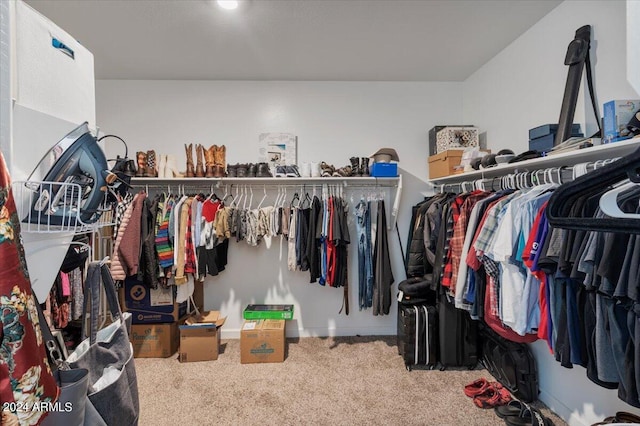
[
  {"x": 609, "y": 201},
  {"x": 563, "y": 198},
  {"x": 263, "y": 197}
]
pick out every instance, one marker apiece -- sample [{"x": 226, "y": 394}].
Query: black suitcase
[
  {"x": 511, "y": 363},
  {"x": 458, "y": 336},
  {"x": 417, "y": 335}
]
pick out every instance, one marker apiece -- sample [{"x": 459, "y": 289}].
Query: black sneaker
[
  {"x": 263, "y": 170},
  {"x": 252, "y": 170},
  {"x": 281, "y": 171}
]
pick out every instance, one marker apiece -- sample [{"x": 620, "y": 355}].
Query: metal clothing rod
[{"x": 525, "y": 179}]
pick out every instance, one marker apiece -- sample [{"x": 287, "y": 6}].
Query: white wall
[
  {"x": 522, "y": 87},
  {"x": 333, "y": 121}
]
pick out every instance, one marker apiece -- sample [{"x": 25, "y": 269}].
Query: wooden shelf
[{"x": 599, "y": 152}]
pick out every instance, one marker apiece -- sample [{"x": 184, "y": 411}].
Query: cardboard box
[
  {"x": 384, "y": 170},
  {"x": 155, "y": 305},
  {"x": 433, "y": 147},
  {"x": 616, "y": 117},
  {"x": 254, "y": 312},
  {"x": 200, "y": 337},
  {"x": 262, "y": 341},
  {"x": 451, "y": 138},
  {"x": 154, "y": 340},
  {"x": 443, "y": 164}
]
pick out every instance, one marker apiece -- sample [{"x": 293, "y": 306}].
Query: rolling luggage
[
  {"x": 417, "y": 335},
  {"x": 511, "y": 363},
  {"x": 458, "y": 336}
]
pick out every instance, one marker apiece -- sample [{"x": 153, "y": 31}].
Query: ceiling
[{"x": 324, "y": 40}]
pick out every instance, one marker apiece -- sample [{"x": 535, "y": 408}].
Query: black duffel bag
[{"x": 416, "y": 290}]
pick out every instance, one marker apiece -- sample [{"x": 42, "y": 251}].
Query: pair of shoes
[
  {"x": 517, "y": 413},
  {"x": 327, "y": 170},
  {"x": 487, "y": 394},
  {"x": 287, "y": 171},
  {"x": 620, "y": 417},
  {"x": 476, "y": 387},
  {"x": 345, "y": 171},
  {"x": 494, "y": 396},
  {"x": 167, "y": 167},
  {"x": 263, "y": 170}
]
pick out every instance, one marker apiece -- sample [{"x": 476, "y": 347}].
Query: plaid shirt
[
  {"x": 459, "y": 232},
  {"x": 452, "y": 218},
  {"x": 483, "y": 242}
]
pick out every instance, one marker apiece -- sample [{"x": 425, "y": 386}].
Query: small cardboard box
[
  {"x": 155, "y": 305},
  {"x": 154, "y": 340},
  {"x": 616, "y": 117},
  {"x": 262, "y": 341},
  {"x": 254, "y": 312},
  {"x": 443, "y": 164},
  {"x": 200, "y": 337}
]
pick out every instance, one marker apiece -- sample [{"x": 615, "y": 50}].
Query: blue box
[
  {"x": 616, "y": 117},
  {"x": 547, "y": 129},
  {"x": 151, "y": 305},
  {"x": 384, "y": 170},
  {"x": 545, "y": 143}
]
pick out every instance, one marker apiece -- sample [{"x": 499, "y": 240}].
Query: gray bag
[{"x": 107, "y": 354}]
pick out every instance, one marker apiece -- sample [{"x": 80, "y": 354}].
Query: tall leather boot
[
  {"x": 355, "y": 166},
  {"x": 141, "y": 158},
  {"x": 199, "y": 166},
  {"x": 364, "y": 166},
  {"x": 151, "y": 170},
  {"x": 220, "y": 161},
  {"x": 209, "y": 156},
  {"x": 189, "y": 151}
]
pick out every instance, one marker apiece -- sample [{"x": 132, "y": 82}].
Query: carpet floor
[{"x": 323, "y": 381}]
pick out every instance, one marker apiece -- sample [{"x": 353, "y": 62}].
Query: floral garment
[{"x": 25, "y": 375}]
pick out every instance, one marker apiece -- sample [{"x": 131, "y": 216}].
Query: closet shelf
[
  {"x": 270, "y": 181},
  {"x": 599, "y": 152}
]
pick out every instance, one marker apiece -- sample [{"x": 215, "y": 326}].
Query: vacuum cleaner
[{"x": 77, "y": 161}]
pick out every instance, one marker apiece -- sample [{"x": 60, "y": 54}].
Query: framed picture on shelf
[{"x": 278, "y": 149}]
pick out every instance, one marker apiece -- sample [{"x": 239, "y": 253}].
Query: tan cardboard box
[
  {"x": 154, "y": 340},
  {"x": 200, "y": 337},
  {"x": 262, "y": 341},
  {"x": 443, "y": 164}
]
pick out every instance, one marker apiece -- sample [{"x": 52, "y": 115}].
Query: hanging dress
[{"x": 25, "y": 375}]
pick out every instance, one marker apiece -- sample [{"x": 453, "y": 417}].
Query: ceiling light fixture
[{"x": 228, "y": 4}]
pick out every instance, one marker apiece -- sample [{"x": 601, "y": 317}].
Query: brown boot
[
  {"x": 141, "y": 158},
  {"x": 220, "y": 161},
  {"x": 199, "y": 166},
  {"x": 189, "y": 151},
  {"x": 151, "y": 170},
  {"x": 210, "y": 160}
]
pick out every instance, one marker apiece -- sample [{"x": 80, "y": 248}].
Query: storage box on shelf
[
  {"x": 617, "y": 114},
  {"x": 598, "y": 152},
  {"x": 443, "y": 164}
]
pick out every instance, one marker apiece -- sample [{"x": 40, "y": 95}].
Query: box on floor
[
  {"x": 200, "y": 337},
  {"x": 262, "y": 341},
  {"x": 154, "y": 340}
]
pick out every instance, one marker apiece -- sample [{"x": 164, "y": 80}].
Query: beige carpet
[{"x": 325, "y": 381}]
